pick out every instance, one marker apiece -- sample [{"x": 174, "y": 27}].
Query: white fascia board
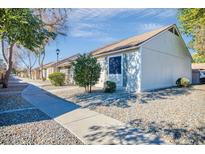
[{"x": 173, "y": 26}]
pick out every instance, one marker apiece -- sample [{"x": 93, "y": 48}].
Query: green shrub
[
  {"x": 44, "y": 79},
  {"x": 183, "y": 82},
  {"x": 109, "y": 86},
  {"x": 86, "y": 71},
  {"x": 57, "y": 78}
]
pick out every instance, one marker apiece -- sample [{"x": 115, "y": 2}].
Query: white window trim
[{"x": 116, "y": 55}]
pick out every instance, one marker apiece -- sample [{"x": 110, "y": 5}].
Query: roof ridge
[
  {"x": 68, "y": 58},
  {"x": 134, "y": 36}
]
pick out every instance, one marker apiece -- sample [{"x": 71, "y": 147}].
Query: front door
[{"x": 115, "y": 70}]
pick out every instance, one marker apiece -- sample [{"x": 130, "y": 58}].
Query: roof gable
[
  {"x": 68, "y": 60},
  {"x": 134, "y": 41}
]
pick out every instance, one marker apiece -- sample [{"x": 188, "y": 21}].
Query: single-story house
[
  {"x": 65, "y": 66},
  {"x": 48, "y": 69},
  {"x": 148, "y": 61},
  {"x": 198, "y": 73},
  {"x": 36, "y": 74},
  {"x": 23, "y": 73},
  {"x": 2, "y": 74}
]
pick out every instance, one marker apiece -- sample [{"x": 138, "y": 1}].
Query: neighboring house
[
  {"x": 65, "y": 66},
  {"x": 2, "y": 69},
  {"x": 36, "y": 74},
  {"x": 48, "y": 69},
  {"x": 149, "y": 61},
  {"x": 2, "y": 65},
  {"x": 22, "y": 73},
  {"x": 198, "y": 73}
]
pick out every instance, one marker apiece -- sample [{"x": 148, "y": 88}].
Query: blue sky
[{"x": 89, "y": 29}]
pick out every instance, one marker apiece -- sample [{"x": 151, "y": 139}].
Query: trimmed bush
[
  {"x": 183, "y": 82},
  {"x": 109, "y": 86},
  {"x": 86, "y": 71},
  {"x": 57, "y": 78},
  {"x": 44, "y": 79}
]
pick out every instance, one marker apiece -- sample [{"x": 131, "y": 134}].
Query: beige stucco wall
[
  {"x": 47, "y": 71},
  {"x": 164, "y": 60},
  {"x": 68, "y": 74}
]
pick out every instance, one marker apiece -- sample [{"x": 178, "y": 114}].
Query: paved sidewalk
[
  {"x": 78, "y": 120},
  {"x": 89, "y": 126}
]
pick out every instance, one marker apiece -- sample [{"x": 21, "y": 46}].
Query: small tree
[
  {"x": 28, "y": 58},
  {"x": 86, "y": 71},
  {"x": 54, "y": 20},
  {"x": 192, "y": 23},
  {"x": 197, "y": 58},
  {"x": 20, "y": 27}
]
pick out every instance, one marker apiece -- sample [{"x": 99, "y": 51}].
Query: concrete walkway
[
  {"x": 89, "y": 126},
  {"x": 78, "y": 120}
]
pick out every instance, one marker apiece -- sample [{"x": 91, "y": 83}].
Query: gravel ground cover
[
  {"x": 175, "y": 114},
  {"x": 44, "y": 132},
  {"x": 11, "y": 102},
  {"x": 30, "y": 125},
  {"x": 67, "y": 93},
  {"x": 33, "y": 127},
  {"x": 13, "y": 88},
  {"x": 51, "y": 87}
]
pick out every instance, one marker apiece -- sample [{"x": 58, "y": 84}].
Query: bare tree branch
[{"x": 25, "y": 56}]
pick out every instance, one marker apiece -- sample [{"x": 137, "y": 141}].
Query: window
[{"x": 115, "y": 65}]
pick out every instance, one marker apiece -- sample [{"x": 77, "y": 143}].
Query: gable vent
[{"x": 174, "y": 31}]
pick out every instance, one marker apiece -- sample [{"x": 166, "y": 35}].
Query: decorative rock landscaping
[
  {"x": 22, "y": 123},
  {"x": 37, "y": 132},
  {"x": 14, "y": 101},
  {"x": 176, "y": 114}
]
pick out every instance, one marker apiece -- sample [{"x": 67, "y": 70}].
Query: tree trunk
[
  {"x": 90, "y": 86},
  {"x": 9, "y": 67},
  {"x": 30, "y": 74},
  {"x": 40, "y": 62},
  {"x": 41, "y": 72},
  {"x": 90, "y": 89}
]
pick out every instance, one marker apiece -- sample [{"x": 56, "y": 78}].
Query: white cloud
[
  {"x": 103, "y": 14},
  {"x": 145, "y": 27},
  {"x": 82, "y": 29},
  {"x": 95, "y": 14},
  {"x": 90, "y": 31},
  {"x": 91, "y": 23},
  {"x": 158, "y": 13}
]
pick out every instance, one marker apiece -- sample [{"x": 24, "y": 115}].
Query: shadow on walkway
[{"x": 121, "y": 135}]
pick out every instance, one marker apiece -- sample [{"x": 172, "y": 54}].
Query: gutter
[{"x": 116, "y": 51}]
